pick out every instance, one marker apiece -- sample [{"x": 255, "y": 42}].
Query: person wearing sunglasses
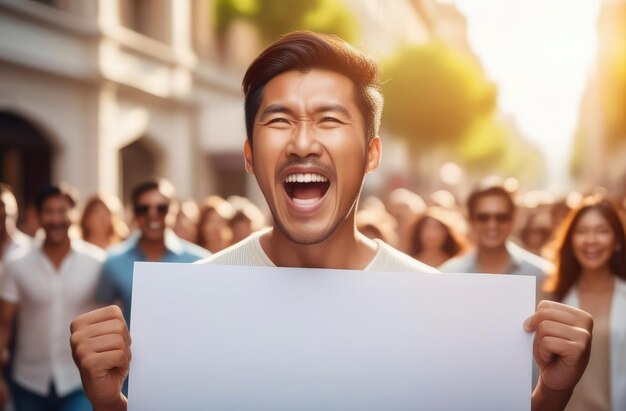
[
  {"x": 154, "y": 240},
  {"x": 491, "y": 212}
]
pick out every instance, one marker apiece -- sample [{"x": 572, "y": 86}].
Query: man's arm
[
  {"x": 561, "y": 348},
  {"x": 8, "y": 312},
  {"x": 101, "y": 349}
]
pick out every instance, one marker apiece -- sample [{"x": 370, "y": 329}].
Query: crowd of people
[
  {"x": 579, "y": 260},
  {"x": 313, "y": 105}
]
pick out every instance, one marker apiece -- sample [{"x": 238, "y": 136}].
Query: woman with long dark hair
[
  {"x": 591, "y": 274},
  {"x": 434, "y": 240},
  {"x": 100, "y": 222}
]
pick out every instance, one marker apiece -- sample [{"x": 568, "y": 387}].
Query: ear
[
  {"x": 374, "y": 153},
  {"x": 247, "y": 152}
]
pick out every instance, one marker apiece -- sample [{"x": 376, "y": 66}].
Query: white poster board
[{"x": 208, "y": 337}]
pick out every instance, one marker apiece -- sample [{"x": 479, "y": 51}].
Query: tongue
[{"x": 308, "y": 191}]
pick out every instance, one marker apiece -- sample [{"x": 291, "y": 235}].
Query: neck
[
  {"x": 494, "y": 260},
  {"x": 101, "y": 240},
  {"x": 346, "y": 248},
  {"x": 56, "y": 252},
  {"x": 152, "y": 249},
  {"x": 434, "y": 257},
  {"x": 596, "y": 279}
]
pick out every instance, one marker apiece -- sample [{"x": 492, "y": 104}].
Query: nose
[
  {"x": 590, "y": 238},
  {"x": 303, "y": 141}
]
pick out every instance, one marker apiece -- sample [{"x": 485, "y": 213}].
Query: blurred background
[{"x": 103, "y": 94}]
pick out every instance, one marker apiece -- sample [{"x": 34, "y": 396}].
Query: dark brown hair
[
  {"x": 53, "y": 191},
  {"x": 480, "y": 193},
  {"x": 163, "y": 186},
  {"x": 117, "y": 229},
  {"x": 568, "y": 269},
  {"x": 452, "y": 246},
  {"x": 304, "y": 51}
]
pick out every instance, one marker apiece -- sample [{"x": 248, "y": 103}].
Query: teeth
[{"x": 305, "y": 178}]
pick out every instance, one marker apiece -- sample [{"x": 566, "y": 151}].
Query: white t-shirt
[
  {"x": 48, "y": 301},
  {"x": 249, "y": 252}
]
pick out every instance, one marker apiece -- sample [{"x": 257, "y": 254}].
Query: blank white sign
[{"x": 208, "y": 337}]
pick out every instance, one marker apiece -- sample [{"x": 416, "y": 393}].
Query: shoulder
[
  {"x": 531, "y": 261},
  {"x": 88, "y": 251},
  {"x": 389, "y": 259},
  {"x": 121, "y": 250},
  {"x": 247, "y": 252},
  {"x": 23, "y": 258},
  {"x": 194, "y": 251},
  {"x": 460, "y": 264}
]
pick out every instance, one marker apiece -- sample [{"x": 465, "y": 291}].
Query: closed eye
[
  {"x": 330, "y": 122},
  {"x": 278, "y": 121}
]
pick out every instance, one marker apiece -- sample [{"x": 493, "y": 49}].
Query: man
[
  {"x": 152, "y": 203},
  {"x": 42, "y": 291},
  {"x": 313, "y": 111},
  {"x": 491, "y": 213}
]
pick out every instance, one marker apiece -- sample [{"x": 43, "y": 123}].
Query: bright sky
[{"x": 539, "y": 53}]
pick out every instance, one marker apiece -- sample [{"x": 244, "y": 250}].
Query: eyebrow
[
  {"x": 273, "y": 109},
  {"x": 279, "y": 108}
]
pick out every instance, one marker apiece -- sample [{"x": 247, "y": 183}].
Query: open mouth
[{"x": 306, "y": 189}]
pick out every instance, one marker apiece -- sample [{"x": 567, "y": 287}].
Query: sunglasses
[
  {"x": 144, "y": 209},
  {"x": 499, "y": 217}
]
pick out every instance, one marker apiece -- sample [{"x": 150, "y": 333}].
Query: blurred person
[
  {"x": 155, "y": 241},
  {"x": 376, "y": 223},
  {"x": 491, "y": 212},
  {"x": 214, "y": 233},
  {"x": 28, "y": 223},
  {"x": 313, "y": 109},
  {"x": 536, "y": 232},
  {"x": 12, "y": 240},
  {"x": 13, "y": 243},
  {"x": 100, "y": 222},
  {"x": 434, "y": 240},
  {"x": 373, "y": 203},
  {"x": 406, "y": 207},
  {"x": 186, "y": 223},
  {"x": 40, "y": 293},
  {"x": 247, "y": 219},
  {"x": 591, "y": 274}
]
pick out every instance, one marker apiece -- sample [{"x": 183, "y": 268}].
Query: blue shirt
[{"x": 116, "y": 280}]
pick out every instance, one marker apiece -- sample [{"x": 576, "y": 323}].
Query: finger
[
  {"x": 548, "y": 304},
  {"x": 102, "y": 314},
  {"x": 114, "y": 326},
  {"x": 101, "y": 344},
  {"x": 106, "y": 361},
  {"x": 559, "y": 313},
  {"x": 568, "y": 351},
  {"x": 556, "y": 329},
  {"x": 551, "y": 329}
]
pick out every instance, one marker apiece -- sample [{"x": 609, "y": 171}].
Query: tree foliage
[
  {"x": 434, "y": 95},
  {"x": 274, "y": 18}
]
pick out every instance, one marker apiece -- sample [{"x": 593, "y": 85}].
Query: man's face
[
  {"x": 54, "y": 218},
  {"x": 492, "y": 221},
  {"x": 310, "y": 152},
  {"x": 151, "y": 210}
]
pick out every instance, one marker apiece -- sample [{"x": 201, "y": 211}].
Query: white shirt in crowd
[{"x": 48, "y": 301}]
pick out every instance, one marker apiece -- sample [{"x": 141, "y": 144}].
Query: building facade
[{"x": 102, "y": 94}]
